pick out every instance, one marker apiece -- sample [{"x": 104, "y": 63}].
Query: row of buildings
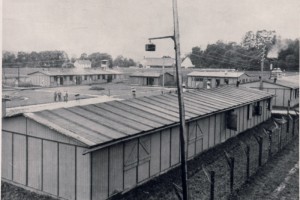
[{"x": 96, "y": 151}]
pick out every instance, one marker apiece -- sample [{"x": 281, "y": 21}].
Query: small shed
[
  {"x": 285, "y": 90},
  {"x": 152, "y": 78},
  {"x": 97, "y": 151},
  {"x": 199, "y": 79}
]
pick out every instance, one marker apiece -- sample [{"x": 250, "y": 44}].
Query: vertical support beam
[
  {"x": 180, "y": 102},
  {"x": 212, "y": 185},
  {"x": 262, "y": 68},
  {"x": 231, "y": 174}
]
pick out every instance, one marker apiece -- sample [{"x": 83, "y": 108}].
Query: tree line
[
  {"x": 281, "y": 53},
  {"x": 59, "y": 59}
]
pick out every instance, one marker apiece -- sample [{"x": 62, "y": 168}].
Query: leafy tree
[
  {"x": 97, "y": 57},
  {"x": 120, "y": 61}
]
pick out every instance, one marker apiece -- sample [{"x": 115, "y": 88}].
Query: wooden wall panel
[
  {"x": 218, "y": 129},
  {"x": 155, "y": 154},
  {"x": 175, "y": 147},
  {"x": 100, "y": 174},
  {"x": 7, "y": 162},
  {"x": 279, "y": 97},
  {"x": 38, "y": 130},
  {"x": 50, "y": 167},
  {"x": 35, "y": 163},
  {"x": 83, "y": 178},
  {"x": 205, "y": 124},
  {"x": 223, "y": 127},
  {"x": 191, "y": 139},
  {"x": 67, "y": 173},
  {"x": 19, "y": 159},
  {"x": 14, "y": 124},
  {"x": 143, "y": 171},
  {"x": 211, "y": 137},
  {"x": 115, "y": 168},
  {"x": 165, "y": 149},
  {"x": 245, "y": 118}
]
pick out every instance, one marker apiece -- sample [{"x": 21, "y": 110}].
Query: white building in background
[
  {"x": 158, "y": 62},
  {"x": 187, "y": 63},
  {"x": 81, "y": 64}
]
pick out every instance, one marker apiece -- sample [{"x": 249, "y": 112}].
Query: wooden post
[
  {"x": 231, "y": 174},
  {"x": 180, "y": 103},
  {"x": 248, "y": 161},
  {"x": 259, "y": 140},
  {"x": 212, "y": 185}
]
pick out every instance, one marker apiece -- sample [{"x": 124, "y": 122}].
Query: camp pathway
[{"x": 278, "y": 179}]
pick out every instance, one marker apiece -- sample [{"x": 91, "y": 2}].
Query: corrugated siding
[
  {"x": 67, "y": 174},
  {"x": 35, "y": 163},
  {"x": 6, "y": 165},
  {"x": 218, "y": 129},
  {"x": 50, "y": 167},
  {"x": 165, "y": 149},
  {"x": 19, "y": 159},
  {"x": 83, "y": 173},
  {"x": 115, "y": 169},
  {"x": 223, "y": 127},
  {"x": 144, "y": 158},
  {"x": 155, "y": 154},
  {"x": 100, "y": 174},
  {"x": 191, "y": 139}
]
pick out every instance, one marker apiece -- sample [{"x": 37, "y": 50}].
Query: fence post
[
  {"x": 230, "y": 162},
  {"x": 212, "y": 185},
  {"x": 259, "y": 140},
  {"x": 248, "y": 161}
]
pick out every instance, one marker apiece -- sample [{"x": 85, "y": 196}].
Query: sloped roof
[
  {"x": 216, "y": 74},
  {"x": 105, "y": 123},
  {"x": 65, "y": 72},
  {"x": 158, "y": 61},
  {"x": 286, "y": 83},
  {"x": 148, "y": 74}
]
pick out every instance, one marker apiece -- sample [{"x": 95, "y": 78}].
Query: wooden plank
[
  {"x": 130, "y": 163},
  {"x": 155, "y": 153},
  {"x": 14, "y": 124},
  {"x": 130, "y": 178},
  {"x": 50, "y": 166},
  {"x": 115, "y": 168},
  {"x": 35, "y": 163},
  {"x": 67, "y": 171},
  {"x": 245, "y": 120},
  {"x": 143, "y": 171},
  {"x": 217, "y": 129},
  {"x": 100, "y": 174},
  {"x": 83, "y": 179},
  {"x": 205, "y": 124},
  {"x": 223, "y": 127},
  {"x": 192, "y": 133},
  {"x": 19, "y": 159},
  {"x": 6, "y": 166},
  {"x": 175, "y": 147},
  {"x": 165, "y": 149},
  {"x": 211, "y": 131}
]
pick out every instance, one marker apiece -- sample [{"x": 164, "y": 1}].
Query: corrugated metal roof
[
  {"x": 216, "y": 74},
  {"x": 102, "y": 123},
  {"x": 66, "y": 72}
]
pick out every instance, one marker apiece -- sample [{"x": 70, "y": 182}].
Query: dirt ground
[{"x": 263, "y": 185}]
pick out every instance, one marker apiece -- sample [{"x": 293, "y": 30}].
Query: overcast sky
[{"x": 121, "y": 27}]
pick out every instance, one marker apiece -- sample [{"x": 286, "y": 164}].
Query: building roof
[
  {"x": 65, "y": 72},
  {"x": 148, "y": 74},
  {"x": 99, "y": 125},
  {"x": 292, "y": 83},
  {"x": 216, "y": 74},
  {"x": 158, "y": 62}
]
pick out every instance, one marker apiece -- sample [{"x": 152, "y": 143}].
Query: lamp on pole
[{"x": 182, "y": 128}]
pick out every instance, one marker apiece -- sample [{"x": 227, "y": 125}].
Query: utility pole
[
  {"x": 163, "y": 68},
  {"x": 182, "y": 128},
  {"x": 262, "y": 68},
  {"x": 180, "y": 102}
]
